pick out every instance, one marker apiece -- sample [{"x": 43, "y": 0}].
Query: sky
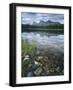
[{"x": 30, "y": 18}]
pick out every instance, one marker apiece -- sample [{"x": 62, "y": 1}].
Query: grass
[{"x": 28, "y": 48}]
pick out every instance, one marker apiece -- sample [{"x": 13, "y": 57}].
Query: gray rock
[
  {"x": 38, "y": 71},
  {"x": 57, "y": 69},
  {"x": 39, "y": 58},
  {"x": 29, "y": 74}
]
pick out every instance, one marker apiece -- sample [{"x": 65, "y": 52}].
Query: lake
[
  {"x": 42, "y": 54},
  {"x": 45, "y": 40}
]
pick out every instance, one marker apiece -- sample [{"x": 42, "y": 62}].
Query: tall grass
[{"x": 28, "y": 48}]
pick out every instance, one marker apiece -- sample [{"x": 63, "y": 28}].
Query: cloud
[{"x": 30, "y": 18}]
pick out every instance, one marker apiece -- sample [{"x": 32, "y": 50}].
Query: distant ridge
[{"x": 43, "y": 23}]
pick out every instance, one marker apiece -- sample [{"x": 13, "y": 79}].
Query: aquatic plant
[{"x": 28, "y": 48}]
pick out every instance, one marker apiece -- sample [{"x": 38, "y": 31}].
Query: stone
[
  {"x": 38, "y": 52},
  {"x": 40, "y": 57},
  {"x": 36, "y": 62},
  {"x": 57, "y": 69},
  {"x": 26, "y": 58},
  {"x": 52, "y": 70},
  {"x": 29, "y": 65},
  {"x": 29, "y": 74},
  {"x": 38, "y": 71}
]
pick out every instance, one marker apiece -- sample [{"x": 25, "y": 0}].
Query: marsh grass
[{"x": 27, "y": 48}]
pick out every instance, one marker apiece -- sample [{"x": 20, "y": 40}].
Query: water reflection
[
  {"x": 42, "y": 54},
  {"x": 45, "y": 40}
]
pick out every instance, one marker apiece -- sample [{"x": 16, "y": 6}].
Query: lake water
[
  {"x": 45, "y": 40},
  {"x": 47, "y": 55}
]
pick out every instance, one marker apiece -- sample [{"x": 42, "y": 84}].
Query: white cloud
[{"x": 30, "y": 18}]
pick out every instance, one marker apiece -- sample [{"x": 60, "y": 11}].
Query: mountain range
[{"x": 43, "y": 23}]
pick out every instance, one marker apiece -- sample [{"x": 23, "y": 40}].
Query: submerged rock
[
  {"x": 29, "y": 74},
  {"x": 36, "y": 63},
  {"x": 57, "y": 69},
  {"x": 38, "y": 71},
  {"x": 47, "y": 59},
  {"x": 27, "y": 56},
  {"x": 39, "y": 58},
  {"x": 25, "y": 59}
]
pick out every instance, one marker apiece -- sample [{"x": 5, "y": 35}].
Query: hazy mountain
[{"x": 43, "y": 23}]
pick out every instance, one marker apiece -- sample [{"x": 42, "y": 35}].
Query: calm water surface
[{"x": 45, "y": 40}]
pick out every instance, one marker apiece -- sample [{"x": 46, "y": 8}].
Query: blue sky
[{"x": 30, "y": 18}]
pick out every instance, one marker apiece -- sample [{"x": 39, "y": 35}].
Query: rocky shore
[
  {"x": 43, "y": 63},
  {"x": 42, "y": 55}
]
